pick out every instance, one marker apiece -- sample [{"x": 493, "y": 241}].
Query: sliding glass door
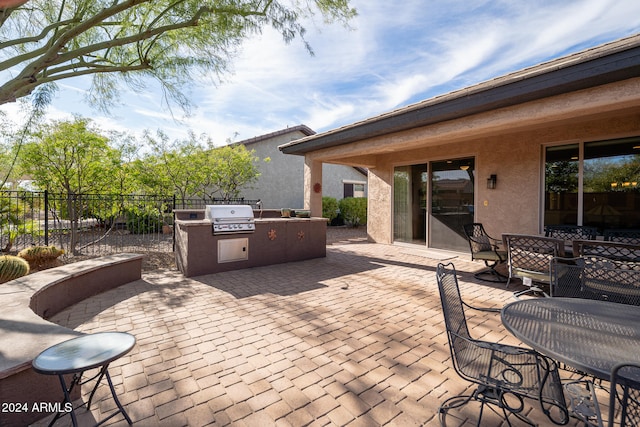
[
  {"x": 446, "y": 194},
  {"x": 410, "y": 204},
  {"x": 452, "y": 206}
]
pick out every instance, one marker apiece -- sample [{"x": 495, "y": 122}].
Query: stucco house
[
  {"x": 556, "y": 143},
  {"x": 281, "y": 181}
]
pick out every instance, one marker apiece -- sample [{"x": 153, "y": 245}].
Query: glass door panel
[
  {"x": 612, "y": 184},
  {"x": 561, "y": 185},
  {"x": 409, "y": 204},
  {"x": 452, "y": 203}
]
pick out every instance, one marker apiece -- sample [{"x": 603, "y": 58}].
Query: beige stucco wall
[
  {"x": 506, "y": 142},
  {"x": 515, "y": 206}
]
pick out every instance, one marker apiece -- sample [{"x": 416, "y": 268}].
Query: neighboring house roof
[
  {"x": 363, "y": 171},
  {"x": 608, "y": 63},
  {"x": 299, "y": 128}
]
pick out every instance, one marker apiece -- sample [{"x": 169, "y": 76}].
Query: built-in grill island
[{"x": 230, "y": 237}]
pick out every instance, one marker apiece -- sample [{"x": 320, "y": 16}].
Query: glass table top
[{"x": 82, "y": 353}]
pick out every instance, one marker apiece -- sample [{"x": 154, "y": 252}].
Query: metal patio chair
[
  {"x": 505, "y": 375},
  {"x": 566, "y": 278},
  {"x": 571, "y": 232},
  {"x": 612, "y": 280},
  {"x": 485, "y": 248},
  {"x": 611, "y": 249},
  {"x": 597, "y": 278},
  {"x": 529, "y": 259},
  {"x": 624, "y": 399},
  {"x": 622, "y": 235}
]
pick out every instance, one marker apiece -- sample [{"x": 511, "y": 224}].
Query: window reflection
[
  {"x": 611, "y": 176},
  {"x": 561, "y": 185},
  {"x": 610, "y": 184}
]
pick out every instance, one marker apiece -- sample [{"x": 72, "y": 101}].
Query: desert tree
[
  {"x": 70, "y": 158},
  {"x": 128, "y": 41}
]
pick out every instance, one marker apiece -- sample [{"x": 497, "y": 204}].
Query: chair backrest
[
  {"x": 571, "y": 232},
  {"x": 624, "y": 399},
  {"x": 477, "y": 237},
  {"x": 599, "y": 278},
  {"x": 612, "y": 280},
  {"x": 452, "y": 307},
  {"x": 566, "y": 277},
  {"x": 532, "y": 254},
  {"x": 611, "y": 250},
  {"x": 622, "y": 235}
]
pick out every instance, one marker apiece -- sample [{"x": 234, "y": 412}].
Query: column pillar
[
  {"x": 313, "y": 186},
  {"x": 380, "y": 204}
]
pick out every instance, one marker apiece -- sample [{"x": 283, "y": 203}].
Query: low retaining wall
[{"x": 24, "y": 333}]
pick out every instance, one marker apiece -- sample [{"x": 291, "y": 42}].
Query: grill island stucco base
[{"x": 275, "y": 240}]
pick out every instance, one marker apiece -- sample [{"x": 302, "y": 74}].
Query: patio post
[{"x": 313, "y": 186}]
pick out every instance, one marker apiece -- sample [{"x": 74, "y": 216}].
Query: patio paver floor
[{"x": 353, "y": 339}]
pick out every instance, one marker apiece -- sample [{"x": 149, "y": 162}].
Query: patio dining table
[{"x": 589, "y": 335}]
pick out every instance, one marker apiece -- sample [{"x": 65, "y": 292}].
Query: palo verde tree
[
  {"x": 70, "y": 158},
  {"x": 126, "y": 41},
  {"x": 170, "y": 167},
  {"x": 195, "y": 168},
  {"x": 234, "y": 168}
]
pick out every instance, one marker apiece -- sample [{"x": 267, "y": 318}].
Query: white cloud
[{"x": 394, "y": 56}]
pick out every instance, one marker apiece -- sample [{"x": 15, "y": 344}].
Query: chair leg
[
  {"x": 583, "y": 401},
  {"x": 490, "y": 274},
  {"x": 531, "y": 289},
  {"x": 485, "y": 396}
]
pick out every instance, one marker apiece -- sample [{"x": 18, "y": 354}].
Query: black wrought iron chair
[
  {"x": 529, "y": 258},
  {"x": 622, "y": 235},
  {"x": 566, "y": 278},
  {"x": 485, "y": 248},
  {"x": 571, "y": 232},
  {"x": 612, "y": 250},
  {"x": 612, "y": 280},
  {"x": 599, "y": 278},
  {"x": 624, "y": 399},
  {"x": 505, "y": 375}
]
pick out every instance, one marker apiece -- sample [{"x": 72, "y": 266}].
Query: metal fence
[
  {"x": 197, "y": 203},
  {"x": 92, "y": 224}
]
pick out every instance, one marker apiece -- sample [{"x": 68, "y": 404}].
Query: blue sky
[{"x": 391, "y": 56}]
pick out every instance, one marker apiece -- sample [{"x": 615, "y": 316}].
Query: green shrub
[
  {"x": 329, "y": 208},
  {"x": 12, "y": 267},
  {"x": 354, "y": 210},
  {"x": 144, "y": 222}
]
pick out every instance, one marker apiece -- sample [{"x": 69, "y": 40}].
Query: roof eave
[{"x": 620, "y": 65}]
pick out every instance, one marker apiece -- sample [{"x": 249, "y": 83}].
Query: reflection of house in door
[
  {"x": 410, "y": 204},
  {"x": 450, "y": 205}
]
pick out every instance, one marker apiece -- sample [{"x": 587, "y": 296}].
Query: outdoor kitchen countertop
[{"x": 197, "y": 222}]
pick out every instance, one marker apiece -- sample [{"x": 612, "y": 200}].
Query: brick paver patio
[{"x": 353, "y": 339}]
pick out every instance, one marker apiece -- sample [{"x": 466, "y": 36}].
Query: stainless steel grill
[{"x": 230, "y": 219}]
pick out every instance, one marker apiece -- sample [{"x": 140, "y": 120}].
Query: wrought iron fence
[
  {"x": 193, "y": 203},
  {"x": 92, "y": 224}
]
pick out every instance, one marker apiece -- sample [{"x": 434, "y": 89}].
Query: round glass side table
[{"x": 81, "y": 354}]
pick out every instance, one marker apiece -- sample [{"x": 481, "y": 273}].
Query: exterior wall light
[{"x": 491, "y": 182}]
